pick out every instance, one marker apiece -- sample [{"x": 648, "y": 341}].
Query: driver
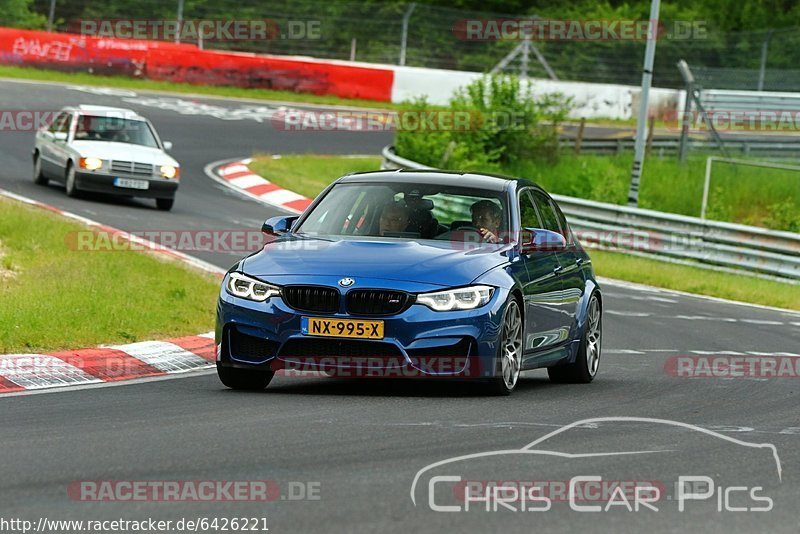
[
  {"x": 486, "y": 217},
  {"x": 394, "y": 218}
]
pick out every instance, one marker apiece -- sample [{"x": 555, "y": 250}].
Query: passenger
[
  {"x": 394, "y": 218},
  {"x": 486, "y": 217}
]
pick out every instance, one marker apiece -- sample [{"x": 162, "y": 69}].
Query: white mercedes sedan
[{"x": 106, "y": 150}]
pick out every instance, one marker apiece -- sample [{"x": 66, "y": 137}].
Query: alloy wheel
[{"x": 511, "y": 348}]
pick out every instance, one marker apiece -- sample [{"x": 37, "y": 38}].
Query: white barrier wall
[{"x": 591, "y": 100}]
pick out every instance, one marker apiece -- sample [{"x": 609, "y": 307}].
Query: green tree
[{"x": 18, "y": 13}]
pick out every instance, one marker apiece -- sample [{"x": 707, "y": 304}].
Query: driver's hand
[{"x": 488, "y": 236}]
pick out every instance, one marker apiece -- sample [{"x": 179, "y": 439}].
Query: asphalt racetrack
[{"x": 342, "y": 453}]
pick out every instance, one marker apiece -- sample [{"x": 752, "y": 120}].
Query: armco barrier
[
  {"x": 165, "y": 61},
  {"x": 159, "y": 60},
  {"x": 716, "y": 245},
  {"x": 763, "y": 146}
]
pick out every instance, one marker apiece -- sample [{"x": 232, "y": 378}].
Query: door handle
[
  {"x": 579, "y": 262},
  {"x": 557, "y": 269}
]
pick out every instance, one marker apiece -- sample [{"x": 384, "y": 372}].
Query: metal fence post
[
  {"x": 404, "y": 41},
  {"x": 688, "y": 78},
  {"x": 579, "y": 136},
  {"x": 706, "y": 183},
  {"x": 180, "y": 21},
  {"x": 51, "y": 15},
  {"x": 763, "y": 69},
  {"x": 641, "y": 122}
]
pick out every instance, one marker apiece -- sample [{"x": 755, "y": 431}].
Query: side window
[
  {"x": 529, "y": 218},
  {"x": 563, "y": 222},
  {"x": 548, "y": 214},
  {"x": 58, "y": 123},
  {"x": 67, "y": 124}
]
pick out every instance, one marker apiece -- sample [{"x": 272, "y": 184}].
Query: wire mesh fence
[{"x": 372, "y": 31}]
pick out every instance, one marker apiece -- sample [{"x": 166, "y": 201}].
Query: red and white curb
[
  {"x": 23, "y": 372},
  {"x": 237, "y": 175}
]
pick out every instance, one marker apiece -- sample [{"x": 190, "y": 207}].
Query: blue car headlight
[
  {"x": 242, "y": 286},
  {"x": 463, "y": 298}
]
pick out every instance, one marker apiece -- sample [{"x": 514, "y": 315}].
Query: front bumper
[
  {"x": 417, "y": 342},
  {"x": 104, "y": 183}
]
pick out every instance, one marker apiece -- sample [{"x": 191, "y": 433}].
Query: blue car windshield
[{"x": 409, "y": 211}]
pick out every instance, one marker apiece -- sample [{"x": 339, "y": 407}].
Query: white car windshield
[{"x": 114, "y": 129}]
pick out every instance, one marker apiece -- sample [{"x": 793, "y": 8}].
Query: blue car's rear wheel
[
  {"x": 587, "y": 361},
  {"x": 244, "y": 378},
  {"x": 509, "y": 354}
]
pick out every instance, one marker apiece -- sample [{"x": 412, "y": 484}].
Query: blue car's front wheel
[
  {"x": 244, "y": 378},
  {"x": 509, "y": 354}
]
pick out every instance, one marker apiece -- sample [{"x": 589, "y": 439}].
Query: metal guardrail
[
  {"x": 762, "y": 146},
  {"x": 712, "y": 244},
  {"x": 731, "y": 100}
]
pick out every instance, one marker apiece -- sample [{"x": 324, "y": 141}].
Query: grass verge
[
  {"x": 746, "y": 195},
  {"x": 53, "y": 298},
  {"x": 695, "y": 280},
  {"x": 123, "y": 82},
  {"x": 309, "y": 174}
]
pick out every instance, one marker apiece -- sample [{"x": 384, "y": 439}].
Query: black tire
[
  {"x": 165, "y": 204},
  {"x": 244, "y": 378},
  {"x": 581, "y": 371},
  {"x": 69, "y": 181},
  {"x": 501, "y": 385},
  {"x": 38, "y": 176}
]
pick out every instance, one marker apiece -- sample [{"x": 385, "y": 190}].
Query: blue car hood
[{"x": 442, "y": 263}]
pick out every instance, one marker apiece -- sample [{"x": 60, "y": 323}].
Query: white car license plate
[{"x": 131, "y": 184}]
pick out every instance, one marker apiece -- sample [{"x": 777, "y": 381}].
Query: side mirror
[
  {"x": 540, "y": 240},
  {"x": 278, "y": 226},
  {"x": 167, "y": 145},
  {"x": 60, "y": 136}
]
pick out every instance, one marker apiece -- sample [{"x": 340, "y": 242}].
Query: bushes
[
  {"x": 783, "y": 215},
  {"x": 506, "y": 125}
]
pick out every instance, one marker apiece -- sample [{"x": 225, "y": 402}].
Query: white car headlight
[
  {"x": 463, "y": 298},
  {"x": 168, "y": 171},
  {"x": 91, "y": 164},
  {"x": 248, "y": 288}
]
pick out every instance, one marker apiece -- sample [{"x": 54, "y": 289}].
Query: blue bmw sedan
[{"x": 414, "y": 274}]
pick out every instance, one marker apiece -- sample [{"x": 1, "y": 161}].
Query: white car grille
[{"x": 132, "y": 168}]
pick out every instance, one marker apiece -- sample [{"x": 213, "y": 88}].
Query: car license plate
[
  {"x": 131, "y": 184},
  {"x": 317, "y": 326}
]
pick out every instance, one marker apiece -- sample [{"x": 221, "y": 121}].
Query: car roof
[
  {"x": 491, "y": 182},
  {"x": 86, "y": 109}
]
